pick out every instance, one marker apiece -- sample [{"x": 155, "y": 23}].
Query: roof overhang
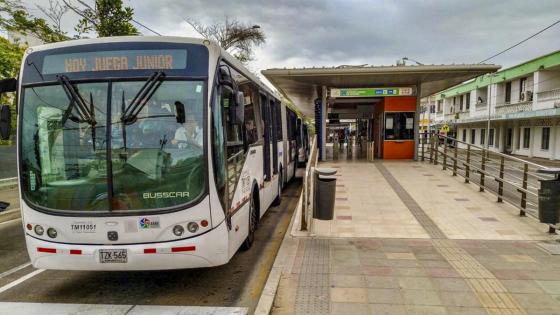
[{"x": 302, "y": 86}]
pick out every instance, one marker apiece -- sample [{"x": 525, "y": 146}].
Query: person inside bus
[
  {"x": 154, "y": 126},
  {"x": 189, "y": 133}
]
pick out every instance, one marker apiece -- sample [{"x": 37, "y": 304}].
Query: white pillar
[
  {"x": 416, "y": 123},
  {"x": 324, "y": 116},
  {"x": 502, "y": 137},
  {"x": 536, "y": 88},
  {"x": 516, "y": 137},
  {"x": 533, "y": 140},
  {"x": 552, "y": 141}
]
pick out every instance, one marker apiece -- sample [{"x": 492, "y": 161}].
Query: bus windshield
[{"x": 112, "y": 161}]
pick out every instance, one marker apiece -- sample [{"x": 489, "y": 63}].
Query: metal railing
[
  {"x": 307, "y": 200},
  {"x": 548, "y": 95},
  {"x": 510, "y": 178},
  {"x": 480, "y": 106},
  {"x": 514, "y": 107}
]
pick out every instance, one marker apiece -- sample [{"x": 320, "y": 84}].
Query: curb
[
  {"x": 283, "y": 261},
  {"x": 10, "y": 215},
  {"x": 8, "y": 183}
]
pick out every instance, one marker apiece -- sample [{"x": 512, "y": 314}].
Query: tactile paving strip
[
  {"x": 489, "y": 290},
  {"x": 431, "y": 228},
  {"x": 312, "y": 296}
]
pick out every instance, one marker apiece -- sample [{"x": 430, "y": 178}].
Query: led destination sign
[{"x": 116, "y": 61}]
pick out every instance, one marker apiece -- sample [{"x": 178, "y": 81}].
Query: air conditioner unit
[{"x": 528, "y": 96}]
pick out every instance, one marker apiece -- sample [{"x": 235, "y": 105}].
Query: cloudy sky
[{"x": 376, "y": 32}]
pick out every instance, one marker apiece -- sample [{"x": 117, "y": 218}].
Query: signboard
[
  {"x": 372, "y": 92},
  {"x": 444, "y": 129},
  {"x": 159, "y": 59}
]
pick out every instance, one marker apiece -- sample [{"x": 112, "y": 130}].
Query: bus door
[{"x": 265, "y": 114}]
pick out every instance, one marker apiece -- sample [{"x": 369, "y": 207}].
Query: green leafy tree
[
  {"x": 106, "y": 18},
  {"x": 10, "y": 60},
  {"x": 15, "y": 18}
]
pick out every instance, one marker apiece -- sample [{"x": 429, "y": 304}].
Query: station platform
[
  {"x": 408, "y": 238},
  {"x": 396, "y": 199}
]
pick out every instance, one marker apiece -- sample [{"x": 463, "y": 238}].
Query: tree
[
  {"x": 10, "y": 60},
  {"x": 106, "y": 18},
  {"x": 15, "y": 18},
  {"x": 237, "y": 38}
]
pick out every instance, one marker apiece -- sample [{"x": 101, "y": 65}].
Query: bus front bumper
[{"x": 206, "y": 250}]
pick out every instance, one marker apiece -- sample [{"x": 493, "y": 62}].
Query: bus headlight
[
  {"x": 39, "y": 230},
  {"x": 52, "y": 233},
  {"x": 178, "y": 230},
  {"x": 192, "y": 227}
]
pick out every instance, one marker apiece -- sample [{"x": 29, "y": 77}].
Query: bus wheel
[
  {"x": 253, "y": 221},
  {"x": 278, "y": 198}
]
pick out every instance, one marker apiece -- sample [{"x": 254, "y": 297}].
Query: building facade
[{"x": 521, "y": 104}]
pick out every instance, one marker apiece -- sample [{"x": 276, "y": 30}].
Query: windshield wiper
[
  {"x": 85, "y": 114},
  {"x": 142, "y": 97}
]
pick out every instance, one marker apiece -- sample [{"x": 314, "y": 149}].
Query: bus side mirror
[
  {"x": 224, "y": 77},
  {"x": 5, "y": 122}
]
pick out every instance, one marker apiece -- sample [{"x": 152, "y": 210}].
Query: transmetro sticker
[
  {"x": 83, "y": 227},
  {"x": 149, "y": 223}
]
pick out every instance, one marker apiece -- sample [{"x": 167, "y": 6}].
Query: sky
[{"x": 376, "y": 32}]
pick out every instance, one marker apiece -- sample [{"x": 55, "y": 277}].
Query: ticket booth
[{"x": 396, "y": 117}]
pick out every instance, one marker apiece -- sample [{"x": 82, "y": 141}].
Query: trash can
[
  {"x": 324, "y": 193},
  {"x": 549, "y": 197}
]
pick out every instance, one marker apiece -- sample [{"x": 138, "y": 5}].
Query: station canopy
[{"x": 303, "y": 85}]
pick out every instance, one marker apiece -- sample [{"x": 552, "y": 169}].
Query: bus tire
[
  {"x": 278, "y": 200},
  {"x": 253, "y": 224}
]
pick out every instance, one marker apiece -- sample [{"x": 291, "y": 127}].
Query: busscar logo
[
  {"x": 149, "y": 223},
  {"x": 166, "y": 194}
]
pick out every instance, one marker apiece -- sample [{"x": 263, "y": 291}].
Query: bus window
[
  {"x": 250, "y": 125},
  {"x": 265, "y": 113},
  {"x": 158, "y": 146},
  {"x": 275, "y": 136},
  {"x": 235, "y": 149}
]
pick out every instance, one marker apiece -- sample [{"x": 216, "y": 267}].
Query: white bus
[{"x": 145, "y": 153}]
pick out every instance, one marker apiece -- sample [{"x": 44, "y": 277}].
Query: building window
[
  {"x": 464, "y": 135},
  {"x": 468, "y": 100},
  {"x": 454, "y": 100},
  {"x": 545, "y": 138},
  {"x": 461, "y": 102},
  {"x": 439, "y": 105},
  {"x": 491, "y": 137},
  {"x": 473, "y": 135},
  {"x": 522, "y": 89},
  {"x": 518, "y": 140},
  {"x": 508, "y": 92},
  {"x": 482, "y": 136},
  {"x": 526, "y": 138}
]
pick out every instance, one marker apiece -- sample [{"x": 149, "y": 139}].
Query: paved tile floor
[
  {"x": 383, "y": 259},
  {"x": 367, "y": 206}
]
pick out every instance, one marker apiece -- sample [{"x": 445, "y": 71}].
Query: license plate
[{"x": 110, "y": 256}]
